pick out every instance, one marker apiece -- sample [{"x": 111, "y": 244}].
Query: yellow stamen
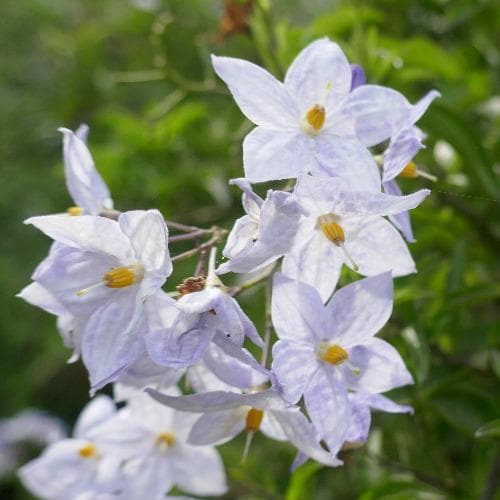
[
  {"x": 412, "y": 172},
  {"x": 74, "y": 211},
  {"x": 315, "y": 117},
  {"x": 165, "y": 440},
  {"x": 88, "y": 451},
  {"x": 254, "y": 419},
  {"x": 409, "y": 172},
  {"x": 334, "y": 232},
  {"x": 333, "y": 354},
  {"x": 120, "y": 277}
]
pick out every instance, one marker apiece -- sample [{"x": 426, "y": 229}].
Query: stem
[
  {"x": 492, "y": 479},
  {"x": 268, "y": 328},
  {"x": 181, "y": 227},
  {"x": 218, "y": 234},
  {"x": 190, "y": 236}
]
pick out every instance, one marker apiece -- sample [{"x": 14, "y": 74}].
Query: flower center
[
  {"x": 411, "y": 171},
  {"x": 74, "y": 211},
  {"x": 165, "y": 440},
  {"x": 315, "y": 118},
  {"x": 253, "y": 420},
  {"x": 119, "y": 277},
  {"x": 330, "y": 227},
  {"x": 191, "y": 284},
  {"x": 333, "y": 354},
  {"x": 88, "y": 451}
]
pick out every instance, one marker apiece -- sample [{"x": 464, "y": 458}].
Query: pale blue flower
[
  {"x": 264, "y": 234},
  {"x": 313, "y": 123},
  {"x": 323, "y": 352},
  {"x": 346, "y": 227}
]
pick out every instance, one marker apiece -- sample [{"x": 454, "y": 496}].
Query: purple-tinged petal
[
  {"x": 328, "y": 407},
  {"x": 359, "y": 424},
  {"x": 219, "y": 400},
  {"x": 359, "y": 310},
  {"x": 379, "y": 113},
  {"x": 320, "y": 74},
  {"x": 113, "y": 339},
  {"x": 402, "y": 220},
  {"x": 277, "y": 154},
  {"x": 84, "y": 183},
  {"x": 293, "y": 364},
  {"x": 348, "y": 159},
  {"x": 232, "y": 370},
  {"x": 250, "y": 200},
  {"x": 382, "y": 403},
  {"x": 378, "y": 247},
  {"x": 218, "y": 427},
  {"x": 370, "y": 204},
  {"x": 358, "y": 76},
  {"x": 82, "y": 132},
  {"x": 402, "y": 148},
  {"x": 271, "y": 427},
  {"x": 314, "y": 260},
  {"x": 380, "y": 366},
  {"x": 263, "y": 99},
  {"x": 37, "y": 295},
  {"x": 302, "y": 434},
  {"x": 297, "y": 310},
  {"x": 97, "y": 411},
  {"x": 419, "y": 108},
  {"x": 86, "y": 232},
  {"x": 148, "y": 235},
  {"x": 199, "y": 470}
]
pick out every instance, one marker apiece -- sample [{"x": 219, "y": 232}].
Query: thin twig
[
  {"x": 190, "y": 236},
  {"x": 181, "y": 227},
  {"x": 204, "y": 246}
]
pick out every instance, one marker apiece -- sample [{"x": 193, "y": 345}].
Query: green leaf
[
  {"x": 489, "y": 430},
  {"x": 300, "y": 483}
]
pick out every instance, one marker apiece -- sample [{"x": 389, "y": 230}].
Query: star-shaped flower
[
  {"x": 264, "y": 234},
  {"x": 105, "y": 271},
  {"x": 346, "y": 227},
  {"x": 324, "y": 352},
  {"x": 313, "y": 123}
]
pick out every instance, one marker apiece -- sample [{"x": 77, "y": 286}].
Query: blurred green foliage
[{"x": 165, "y": 133}]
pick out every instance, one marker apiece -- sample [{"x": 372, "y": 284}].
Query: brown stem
[{"x": 218, "y": 234}]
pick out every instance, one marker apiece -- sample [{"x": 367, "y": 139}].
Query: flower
[
  {"x": 84, "y": 183},
  {"x": 226, "y": 413},
  {"x": 324, "y": 352},
  {"x": 346, "y": 227},
  {"x": 76, "y": 466},
  {"x": 104, "y": 271},
  {"x": 264, "y": 234},
  {"x": 313, "y": 123},
  {"x": 152, "y": 440}
]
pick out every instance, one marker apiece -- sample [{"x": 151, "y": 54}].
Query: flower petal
[
  {"x": 98, "y": 410},
  {"x": 381, "y": 368},
  {"x": 328, "y": 407},
  {"x": 277, "y": 154},
  {"x": 297, "y": 310},
  {"x": 83, "y": 181},
  {"x": 217, "y": 427},
  {"x": 263, "y": 99},
  {"x": 294, "y": 364},
  {"x": 320, "y": 74},
  {"x": 88, "y": 233},
  {"x": 359, "y": 310}
]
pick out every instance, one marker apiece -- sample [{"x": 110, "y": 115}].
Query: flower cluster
[{"x": 105, "y": 273}]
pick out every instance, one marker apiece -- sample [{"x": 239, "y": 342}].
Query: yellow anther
[
  {"x": 333, "y": 232},
  {"x": 409, "y": 172},
  {"x": 74, "y": 211},
  {"x": 120, "y": 277},
  {"x": 88, "y": 451},
  {"x": 315, "y": 117},
  {"x": 333, "y": 354},
  {"x": 254, "y": 419},
  {"x": 165, "y": 440}
]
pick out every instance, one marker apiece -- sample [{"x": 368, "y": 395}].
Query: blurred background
[{"x": 165, "y": 133}]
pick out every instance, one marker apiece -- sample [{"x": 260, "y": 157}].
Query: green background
[{"x": 166, "y": 134}]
